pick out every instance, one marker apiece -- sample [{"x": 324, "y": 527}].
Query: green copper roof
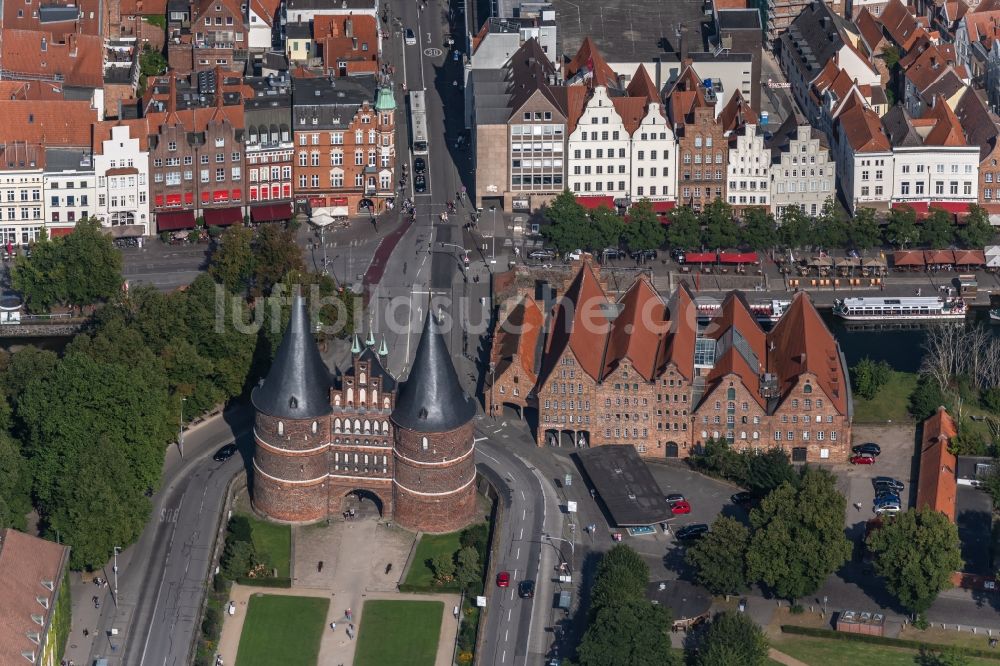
[{"x": 385, "y": 100}]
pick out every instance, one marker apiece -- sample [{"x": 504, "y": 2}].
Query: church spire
[
  {"x": 383, "y": 349},
  {"x": 356, "y": 345}
]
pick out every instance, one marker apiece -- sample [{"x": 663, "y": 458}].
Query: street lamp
[
  {"x": 180, "y": 435},
  {"x": 117, "y": 548},
  {"x": 572, "y": 548}
]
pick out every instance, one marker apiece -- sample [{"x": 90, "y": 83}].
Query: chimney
[
  {"x": 71, "y": 43},
  {"x": 348, "y": 28},
  {"x": 218, "y": 87},
  {"x": 172, "y": 95}
]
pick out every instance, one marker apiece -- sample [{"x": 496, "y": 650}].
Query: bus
[{"x": 418, "y": 122}]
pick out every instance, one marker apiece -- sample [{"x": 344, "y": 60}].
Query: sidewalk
[{"x": 336, "y": 648}]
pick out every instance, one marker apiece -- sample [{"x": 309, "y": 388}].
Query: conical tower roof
[
  {"x": 431, "y": 399},
  {"x": 298, "y": 384}
]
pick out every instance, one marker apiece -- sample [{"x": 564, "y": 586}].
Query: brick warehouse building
[
  {"x": 321, "y": 438},
  {"x": 648, "y": 373}
]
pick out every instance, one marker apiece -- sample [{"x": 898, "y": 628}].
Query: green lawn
[
  {"x": 273, "y": 543},
  {"x": 890, "y": 403},
  {"x": 430, "y": 546},
  {"x": 826, "y": 652},
  {"x": 401, "y": 633},
  {"x": 282, "y": 630}
]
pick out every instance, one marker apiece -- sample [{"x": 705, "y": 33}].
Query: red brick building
[
  {"x": 348, "y": 44},
  {"x": 702, "y": 145},
  {"x": 408, "y": 448},
  {"x": 647, "y": 373},
  {"x": 207, "y": 34}
]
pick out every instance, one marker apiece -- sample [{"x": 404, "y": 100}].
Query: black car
[
  {"x": 887, "y": 482},
  {"x": 677, "y": 255},
  {"x": 420, "y": 183},
  {"x": 225, "y": 453},
  {"x": 696, "y": 531},
  {"x": 869, "y": 447},
  {"x": 419, "y": 165},
  {"x": 742, "y": 498},
  {"x": 526, "y": 589},
  {"x": 644, "y": 255}
]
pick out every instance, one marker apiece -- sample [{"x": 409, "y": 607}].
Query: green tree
[
  {"x": 684, "y": 231},
  {"x": 717, "y": 457},
  {"x": 916, "y": 554},
  {"x": 468, "y": 569},
  {"x": 991, "y": 399},
  {"x": 644, "y": 230},
  {"x": 732, "y": 639},
  {"x": 275, "y": 255},
  {"x": 232, "y": 263},
  {"x": 152, "y": 62},
  {"x": 795, "y": 230},
  {"x": 443, "y": 566},
  {"x": 891, "y": 56},
  {"x": 93, "y": 266},
  {"x": 864, "y": 230},
  {"x": 40, "y": 278},
  {"x": 766, "y": 471},
  {"x": 720, "y": 230},
  {"x": 902, "y": 228},
  {"x": 758, "y": 230},
  {"x": 605, "y": 229},
  {"x": 621, "y": 574},
  {"x": 938, "y": 231},
  {"x": 868, "y": 377},
  {"x": 799, "y": 535},
  {"x": 15, "y": 484},
  {"x": 977, "y": 230},
  {"x": 567, "y": 221},
  {"x": 990, "y": 482},
  {"x": 830, "y": 226},
  {"x": 944, "y": 657},
  {"x": 633, "y": 632},
  {"x": 238, "y": 558},
  {"x": 719, "y": 558},
  {"x": 925, "y": 398}
]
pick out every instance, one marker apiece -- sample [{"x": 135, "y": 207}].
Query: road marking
[
  {"x": 432, "y": 52},
  {"x": 518, "y": 556},
  {"x": 486, "y": 455},
  {"x": 476, "y": 440},
  {"x": 522, "y": 494},
  {"x": 509, "y": 610},
  {"x": 524, "y": 513},
  {"x": 511, "y": 597},
  {"x": 503, "y": 657},
  {"x": 521, "y": 536}
]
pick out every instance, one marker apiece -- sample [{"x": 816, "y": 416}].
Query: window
[{"x": 220, "y": 175}]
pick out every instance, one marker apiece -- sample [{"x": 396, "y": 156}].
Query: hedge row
[
  {"x": 883, "y": 640},
  {"x": 428, "y": 589},
  {"x": 265, "y": 582}
]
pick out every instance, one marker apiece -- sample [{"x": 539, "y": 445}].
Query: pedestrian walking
[
  {"x": 857, "y": 505},
  {"x": 333, "y": 626}
]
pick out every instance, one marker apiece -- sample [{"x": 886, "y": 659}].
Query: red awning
[
  {"x": 590, "y": 203},
  {"x": 55, "y": 232},
  {"x": 663, "y": 206},
  {"x": 700, "y": 258},
  {"x": 738, "y": 257},
  {"x": 271, "y": 212},
  {"x": 951, "y": 206},
  {"x": 338, "y": 201},
  {"x": 970, "y": 258},
  {"x": 221, "y": 217},
  {"x": 917, "y": 206},
  {"x": 181, "y": 219},
  {"x": 939, "y": 257},
  {"x": 908, "y": 258}
]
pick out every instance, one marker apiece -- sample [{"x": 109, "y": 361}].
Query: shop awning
[
  {"x": 951, "y": 206},
  {"x": 738, "y": 257},
  {"x": 700, "y": 258},
  {"x": 970, "y": 257},
  {"x": 939, "y": 257},
  {"x": 908, "y": 258},
  {"x": 56, "y": 232},
  {"x": 590, "y": 203},
  {"x": 173, "y": 221},
  {"x": 271, "y": 212},
  {"x": 221, "y": 217},
  {"x": 663, "y": 206},
  {"x": 917, "y": 206}
]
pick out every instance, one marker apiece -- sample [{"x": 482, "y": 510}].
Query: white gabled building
[
  {"x": 68, "y": 188},
  {"x": 653, "y": 172},
  {"x": 600, "y": 149},
  {"x": 863, "y": 155},
  {"x": 121, "y": 167},
  {"x": 748, "y": 173},
  {"x": 802, "y": 171}
]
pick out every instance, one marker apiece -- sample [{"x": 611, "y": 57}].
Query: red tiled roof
[
  {"x": 947, "y": 131},
  {"x": 801, "y": 343},
  {"x": 362, "y": 46},
  {"x": 575, "y": 103},
  {"x": 517, "y": 337},
  {"x": 580, "y": 323},
  {"x": 589, "y": 59},
  {"x": 862, "y": 128},
  {"x": 907, "y": 258},
  {"x": 137, "y": 129},
  {"x": 937, "y": 484},
  {"x": 632, "y": 110},
  {"x": 737, "y": 113},
  {"x": 870, "y": 28},
  {"x": 144, "y": 8},
  {"x": 27, "y": 565},
  {"x": 939, "y": 257},
  {"x": 638, "y": 332},
  {"x": 30, "y": 90},
  {"x": 642, "y": 85},
  {"x": 88, "y": 23},
  {"x": 684, "y": 325},
  {"x": 53, "y": 123},
  {"x": 733, "y": 322},
  {"x": 79, "y": 60},
  {"x": 899, "y": 23}
]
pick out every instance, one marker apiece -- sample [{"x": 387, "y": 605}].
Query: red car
[
  {"x": 681, "y": 507},
  {"x": 863, "y": 459},
  {"x": 503, "y": 579}
]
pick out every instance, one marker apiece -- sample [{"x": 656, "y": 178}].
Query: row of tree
[
  {"x": 83, "y": 436},
  {"x": 572, "y": 226},
  {"x": 626, "y": 629}
]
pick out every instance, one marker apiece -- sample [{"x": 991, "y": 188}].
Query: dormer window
[{"x": 43, "y": 601}]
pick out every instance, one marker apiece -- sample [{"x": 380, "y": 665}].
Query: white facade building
[
  {"x": 121, "y": 165},
  {"x": 654, "y": 158},
  {"x": 863, "y": 156},
  {"x": 69, "y": 188},
  {"x": 802, "y": 172},
  {"x": 21, "y": 194},
  {"x": 599, "y": 150},
  {"x": 749, "y": 171}
]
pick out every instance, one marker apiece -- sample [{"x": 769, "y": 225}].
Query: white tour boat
[{"x": 902, "y": 308}]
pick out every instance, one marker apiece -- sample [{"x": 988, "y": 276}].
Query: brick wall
[
  {"x": 341, "y": 488},
  {"x": 435, "y": 514},
  {"x": 287, "y": 502}
]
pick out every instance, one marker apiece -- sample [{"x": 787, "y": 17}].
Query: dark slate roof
[
  {"x": 625, "y": 485},
  {"x": 899, "y": 128},
  {"x": 431, "y": 399},
  {"x": 376, "y": 369},
  {"x": 739, "y": 19},
  {"x": 298, "y": 384}
]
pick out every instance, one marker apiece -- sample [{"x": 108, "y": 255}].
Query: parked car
[
  {"x": 887, "y": 482},
  {"x": 410, "y": 38},
  {"x": 886, "y": 498},
  {"x": 542, "y": 254},
  {"x": 863, "y": 459},
  {"x": 420, "y": 183},
  {"x": 644, "y": 255},
  {"x": 503, "y": 579},
  {"x": 526, "y": 589},
  {"x": 868, "y": 447},
  {"x": 673, "y": 497},
  {"x": 690, "y": 532},
  {"x": 419, "y": 165},
  {"x": 225, "y": 453},
  {"x": 742, "y": 498},
  {"x": 680, "y": 508},
  {"x": 886, "y": 508},
  {"x": 574, "y": 255}
]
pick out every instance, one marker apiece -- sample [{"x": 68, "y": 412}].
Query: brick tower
[
  {"x": 292, "y": 427},
  {"x": 433, "y": 444}
]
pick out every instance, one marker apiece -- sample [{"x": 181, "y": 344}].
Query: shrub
[
  {"x": 797, "y": 609},
  {"x": 240, "y": 529},
  {"x": 926, "y": 398},
  {"x": 265, "y": 582},
  {"x": 882, "y": 640},
  {"x": 475, "y": 537},
  {"x": 868, "y": 377},
  {"x": 212, "y": 623}
]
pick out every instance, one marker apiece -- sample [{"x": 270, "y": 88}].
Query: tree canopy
[
  {"x": 684, "y": 231},
  {"x": 758, "y": 230},
  {"x": 916, "y": 554},
  {"x": 938, "y": 230},
  {"x": 977, "y": 230},
  {"x": 902, "y": 228},
  {"x": 643, "y": 230},
  {"x": 864, "y": 229},
  {"x": 720, "y": 230},
  {"x": 719, "y": 557},
  {"x": 731, "y": 639},
  {"x": 799, "y": 535}
]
